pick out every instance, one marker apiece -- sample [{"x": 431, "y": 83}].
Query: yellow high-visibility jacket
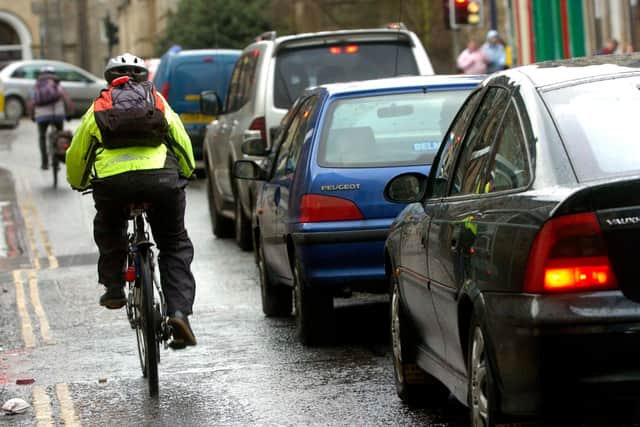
[{"x": 87, "y": 159}]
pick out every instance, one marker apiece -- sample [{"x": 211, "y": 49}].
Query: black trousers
[
  {"x": 164, "y": 190},
  {"x": 42, "y": 135}
]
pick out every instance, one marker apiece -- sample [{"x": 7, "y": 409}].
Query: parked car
[
  {"x": 182, "y": 75},
  {"x": 17, "y": 80},
  {"x": 269, "y": 76},
  {"x": 321, "y": 220},
  {"x": 513, "y": 270}
]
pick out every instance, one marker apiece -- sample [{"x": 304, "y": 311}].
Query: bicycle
[
  {"x": 146, "y": 306},
  {"x": 59, "y": 142}
]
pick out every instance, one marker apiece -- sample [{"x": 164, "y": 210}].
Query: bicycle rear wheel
[{"x": 148, "y": 344}]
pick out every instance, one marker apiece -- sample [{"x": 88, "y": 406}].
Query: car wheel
[
  {"x": 242, "y": 227},
  {"x": 222, "y": 226},
  {"x": 413, "y": 384},
  {"x": 14, "y": 108},
  {"x": 482, "y": 391},
  {"x": 276, "y": 299},
  {"x": 315, "y": 317}
]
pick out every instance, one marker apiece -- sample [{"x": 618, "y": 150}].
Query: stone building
[
  {"x": 140, "y": 23},
  {"x": 67, "y": 30}
]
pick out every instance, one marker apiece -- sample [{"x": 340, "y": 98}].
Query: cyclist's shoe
[
  {"x": 182, "y": 334},
  {"x": 113, "y": 298}
]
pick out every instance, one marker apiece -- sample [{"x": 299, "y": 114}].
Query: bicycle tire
[
  {"x": 55, "y": 167},
  {"x": 148, "y": 322}
]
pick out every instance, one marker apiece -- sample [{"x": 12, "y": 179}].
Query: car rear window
[
  {"x": 191, "y": 78},
  {"x": 302, "y": 67},
  {"x": 597, "y": 123},
  {"x": 387, "y": 130}
]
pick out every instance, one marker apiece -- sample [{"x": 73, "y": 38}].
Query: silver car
[{"x": 17, "y": 80}]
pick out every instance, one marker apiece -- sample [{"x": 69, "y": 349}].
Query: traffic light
[
  {"x": 111, "y": 30},
  {"x": 464, "y": 12}
]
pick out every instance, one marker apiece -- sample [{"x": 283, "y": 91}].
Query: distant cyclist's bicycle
[
  {"x": 146, "y": 306},
  {"x": 59, "y": 142}
]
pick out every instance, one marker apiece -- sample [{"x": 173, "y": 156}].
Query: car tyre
[
  {"x": 315, "y": 316},
  {"x": 242, "y": 227},
  {"x": 483, "y": 397},
  {"x": 14, "y": 108},
  {"x": 276, "y": 299},
  {"x": 413, "y": 385},
  {"x": 222, "y": 226}
]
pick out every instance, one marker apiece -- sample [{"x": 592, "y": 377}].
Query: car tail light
[
  {"x": 352, "y": 48},
  {"x": 259, "y": 124},
  {"x": 207, "y": 59},
  {"x": 335, "y": 50},
  {"x": 165, "y": 90},
  {"x": 569, "y": 254},
  {"x": 317, "y": 208}
]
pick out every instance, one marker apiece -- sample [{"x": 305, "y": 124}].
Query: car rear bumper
[
  {"x": 563, "y": 349},
  {"x": 343, "y": 259}
]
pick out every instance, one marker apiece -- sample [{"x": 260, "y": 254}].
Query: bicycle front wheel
[{"x": 148, "y": 344}]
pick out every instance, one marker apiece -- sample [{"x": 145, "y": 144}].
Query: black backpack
[{"x": 130, "y": 113}]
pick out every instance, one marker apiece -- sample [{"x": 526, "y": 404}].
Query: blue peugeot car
[{"x": 321, "y": 220}]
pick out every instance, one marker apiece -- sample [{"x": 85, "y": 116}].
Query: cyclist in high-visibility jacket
[{"x": 131, "y": 147}]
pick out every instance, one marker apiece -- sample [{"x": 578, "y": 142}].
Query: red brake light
[
  {"x": 335, "y": 50},
  {"x": 165, "y": 90},
  {"x": 569, "y": 254},
  {"x": 259, "y": 124},
  {"x": 352, "y": 48},
  {"x": 207, "y": 59},
  {"x": 317, "y": 208}
]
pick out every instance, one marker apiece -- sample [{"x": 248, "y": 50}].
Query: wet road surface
[{"x": 246, "y": 369}]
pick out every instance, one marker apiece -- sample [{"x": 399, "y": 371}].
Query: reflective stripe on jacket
[{"x": 87, "y": 159}]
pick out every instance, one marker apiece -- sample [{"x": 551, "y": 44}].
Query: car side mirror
[
  {"x": 253, "y": 144},
  {"x": 210, "y": 103},
  {"x": 247, "y": 169},
  {"x": 406, "y": 188}
]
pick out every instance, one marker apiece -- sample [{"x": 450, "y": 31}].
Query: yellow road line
[
  {"x": 27, "y": 329},
  {"x": 31, "y": 235},
  {"x": 37, "y": 306},
  {"x": 53, "y": 261},
  {"x": 67, "y": 410},
  {"x": 42, "y": 406}
]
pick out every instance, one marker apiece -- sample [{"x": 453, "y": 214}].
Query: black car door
[
  {"x": 415, "y": 247},
  {"x": 454, "y": 223}
]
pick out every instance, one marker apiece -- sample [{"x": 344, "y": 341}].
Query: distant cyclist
[
  {"x": 49, "y": 105},
  {"x": 130, "y": 148}
]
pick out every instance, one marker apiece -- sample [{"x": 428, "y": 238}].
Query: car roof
[
  {"x": 203, "y": 52},
  {"x": 337, "y": 36},
  {"x": 9, "y": 68},
  {"x": 576, "y": 70},
  {"x": 406, "y": 82}
]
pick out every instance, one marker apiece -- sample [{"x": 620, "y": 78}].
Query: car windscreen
[
  {"x": 302, "y": 67},
  {"x": 191, "y": 78},
  {"x": 387, "y": 130},
  {"x": 597, "y": 122}
]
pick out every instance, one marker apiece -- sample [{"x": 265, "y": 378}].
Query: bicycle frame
[
  {"x": 141, "y": 245},
  {"x": 147, "y": 313}
]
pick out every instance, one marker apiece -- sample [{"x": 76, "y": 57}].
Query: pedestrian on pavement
[
  {"x": 49, "y": 105},
  {"x": 131, "y": 147},
  {"x": 472, "y": 60},
  {"x": 610, "y": 46},
  {"x": 493, "y": 49}
]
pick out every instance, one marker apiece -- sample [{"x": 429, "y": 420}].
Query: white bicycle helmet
[{"x": 126, "y": 65}]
